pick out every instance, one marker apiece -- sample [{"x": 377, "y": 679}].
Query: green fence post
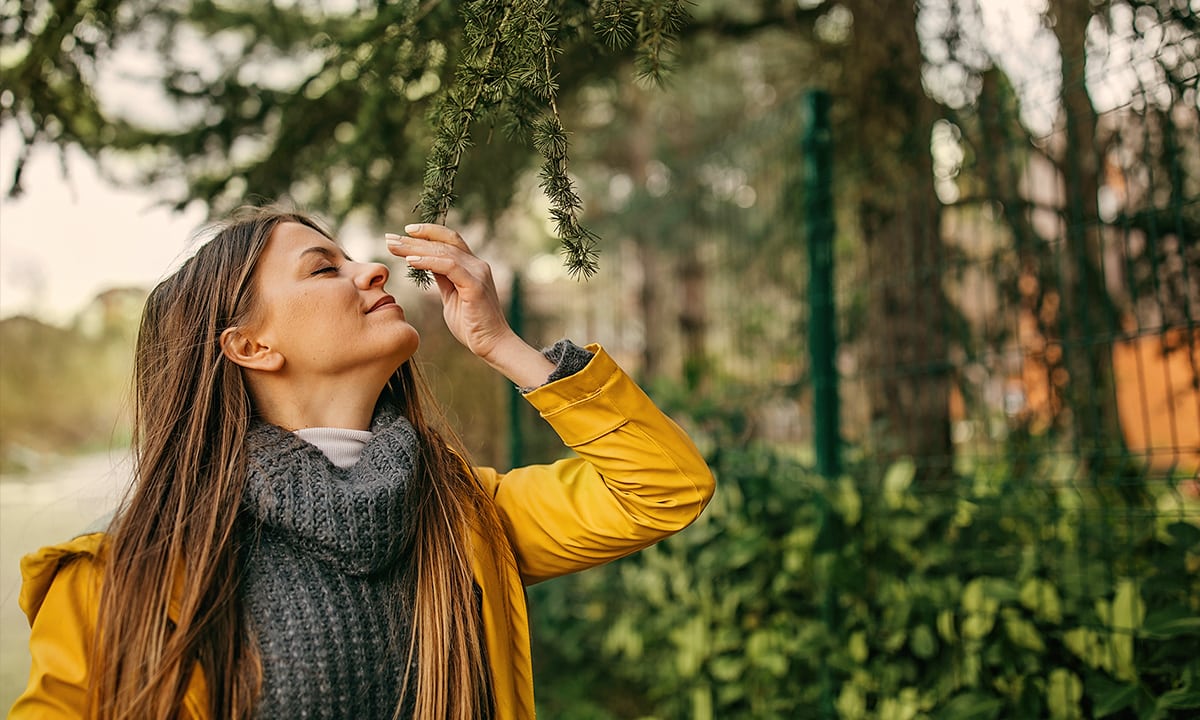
[
  {"x": 516, "y": 320},
  {"x": 817, "y": 149},
  {"x": 818, "y": 222}
]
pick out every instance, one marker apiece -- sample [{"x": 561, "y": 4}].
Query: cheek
[{"x": 301, "y": 317}]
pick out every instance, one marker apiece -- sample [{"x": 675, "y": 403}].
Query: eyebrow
[{"x": 326, "y": 252}]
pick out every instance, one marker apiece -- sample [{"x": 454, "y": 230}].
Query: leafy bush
[
  {"x": 66, "y": 390},
  {"x": 798, "y": 597}
]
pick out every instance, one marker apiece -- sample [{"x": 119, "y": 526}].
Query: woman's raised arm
[{"x": 637, "y": 477}]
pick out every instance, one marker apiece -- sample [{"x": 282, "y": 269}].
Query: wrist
[{"x": 520, "y": 362}]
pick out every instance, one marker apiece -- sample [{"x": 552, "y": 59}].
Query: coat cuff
[
  {"x": 591, "y": 403},
  {"x": 568, "y": 359}
]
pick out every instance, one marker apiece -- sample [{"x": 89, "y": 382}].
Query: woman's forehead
[
  {"x": 295, "y": 240},
  {"x": 292, "y": 234}
]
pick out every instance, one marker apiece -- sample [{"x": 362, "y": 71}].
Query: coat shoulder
[{"x": 40, "y": 568}]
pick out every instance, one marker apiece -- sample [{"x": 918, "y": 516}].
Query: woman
[{"x": 300, "y": 541}]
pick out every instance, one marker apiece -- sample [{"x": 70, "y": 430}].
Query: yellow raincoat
[{"x": 637, "y": 478}]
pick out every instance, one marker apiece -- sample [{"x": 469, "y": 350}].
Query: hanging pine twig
[
  {"x": 458, "y": 108},
  {"x": 507, "y": 73}
]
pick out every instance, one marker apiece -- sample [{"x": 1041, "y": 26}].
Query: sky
[{"x": 72, "y": 234}]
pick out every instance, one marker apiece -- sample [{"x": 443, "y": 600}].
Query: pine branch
[
  {"x": 508, "y": 65},
  {"x": 452, "y": 136},
  {"x": 616, "y": 23},
  {"x": 579, "y": 244}
]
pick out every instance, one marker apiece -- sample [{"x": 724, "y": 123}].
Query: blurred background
[{"x": 922, "y": 280}]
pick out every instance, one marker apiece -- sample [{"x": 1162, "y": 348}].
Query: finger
[
  {"x": 446, "y": 267},
  {"x": 404, "y": 245},
  {"x": 437, "y": 233},
  {"x": 446, "y": 288}
]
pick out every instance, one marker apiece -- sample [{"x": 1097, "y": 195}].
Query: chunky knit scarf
[
  {"x": 325, "y": 549},
  {"x": 321, "y": 590}
]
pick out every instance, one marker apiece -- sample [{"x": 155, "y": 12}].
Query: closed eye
[{"x": 329, "y": 269}]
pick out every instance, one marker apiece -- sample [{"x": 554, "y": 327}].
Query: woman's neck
[{"x": 333, "y": 403}]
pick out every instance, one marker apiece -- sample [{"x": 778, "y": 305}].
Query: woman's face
[{"x": 327, "y": 315}]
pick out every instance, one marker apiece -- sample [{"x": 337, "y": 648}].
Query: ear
[{"x": 243, "y": 349}]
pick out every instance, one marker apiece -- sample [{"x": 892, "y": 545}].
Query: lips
[{"x": 382, "y": 302}]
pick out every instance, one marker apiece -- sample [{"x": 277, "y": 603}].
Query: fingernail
[
  {"x": 415, "y": 227},
  {"x": 410, "y": 259},
  {"x": 391, "y": 237}
]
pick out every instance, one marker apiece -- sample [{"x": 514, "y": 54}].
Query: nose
[{"x": 371, "y": 274}]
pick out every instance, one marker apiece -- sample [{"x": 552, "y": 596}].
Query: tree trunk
[
  {"x": 898, "y": 213},
  {"x": 1089, "y": 316}
]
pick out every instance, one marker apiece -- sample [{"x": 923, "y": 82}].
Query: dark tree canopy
[{"x": 342, "y": 108}]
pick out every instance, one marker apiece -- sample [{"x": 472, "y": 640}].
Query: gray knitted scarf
[
  {"x": 325, "y": 551},
  {"x": 321, "y": 591}
]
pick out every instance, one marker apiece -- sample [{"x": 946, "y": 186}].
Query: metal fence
[
  {"x": 720, "y": 293},
  {"x": 1063, "y": 305}
]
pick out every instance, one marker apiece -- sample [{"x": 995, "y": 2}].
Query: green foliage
[
  {"x": 506, "y": 74},
  {"x": 340, "y": 111},
  {"x": 649, "y": 26},
  {"x": 64, "y": 390},
  {"x": 795, "y": 596}
]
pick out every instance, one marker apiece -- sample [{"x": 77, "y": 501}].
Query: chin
[{"x": 408, "y": 346}]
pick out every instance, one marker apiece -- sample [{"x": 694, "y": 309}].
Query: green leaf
[
  {"x": 726, "y": 668},
  {"x": 1089, "y": 647},
  {"x": 1000, "y": 589},
  {"x": 975, "y": 599},
  {"x": 897, "y": 481},
  {"x": 691, "y": 641},
  {"x": 1040, "y": 596},
  {"x": 1063, "y": 693},
  {"x": 945, "y": 625},
  {"x": 1123, "y": 616},
  {"x": 851, "y": 703},
  {"x": 903, "y": 707},
  {"x": 1128, "y": 608},
  {"x": 980, "y": 609},
  {"x": 923, "y": 643},
  {"x": 1109, "y": 697},
  {"x": 1170, "y": 622},
  {"x": 1022, "y": 632},
  {"x": 847, "y": 501},
  {"x": 1179, "y": 699},
  {"x": 1184, "y": 533},
  {"x": 977, "y": 625},
  {"x": 971, "y": 706},
  {"x": 763, "y": 651},
  {"x": 857, "y": 647}
]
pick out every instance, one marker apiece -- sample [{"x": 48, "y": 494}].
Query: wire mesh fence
[
  {"x": 1015, "y": 527},
  {"x": 717, "y": 295}
]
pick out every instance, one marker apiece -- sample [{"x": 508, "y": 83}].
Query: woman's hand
[{"x": 470, "y": 303}]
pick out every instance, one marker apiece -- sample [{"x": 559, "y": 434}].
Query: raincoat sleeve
[
  {"x": 636, "y": 478},
  {"x": 59, "y": 594}
]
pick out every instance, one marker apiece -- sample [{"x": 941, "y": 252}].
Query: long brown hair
[{"x": 170, "y": 599}]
